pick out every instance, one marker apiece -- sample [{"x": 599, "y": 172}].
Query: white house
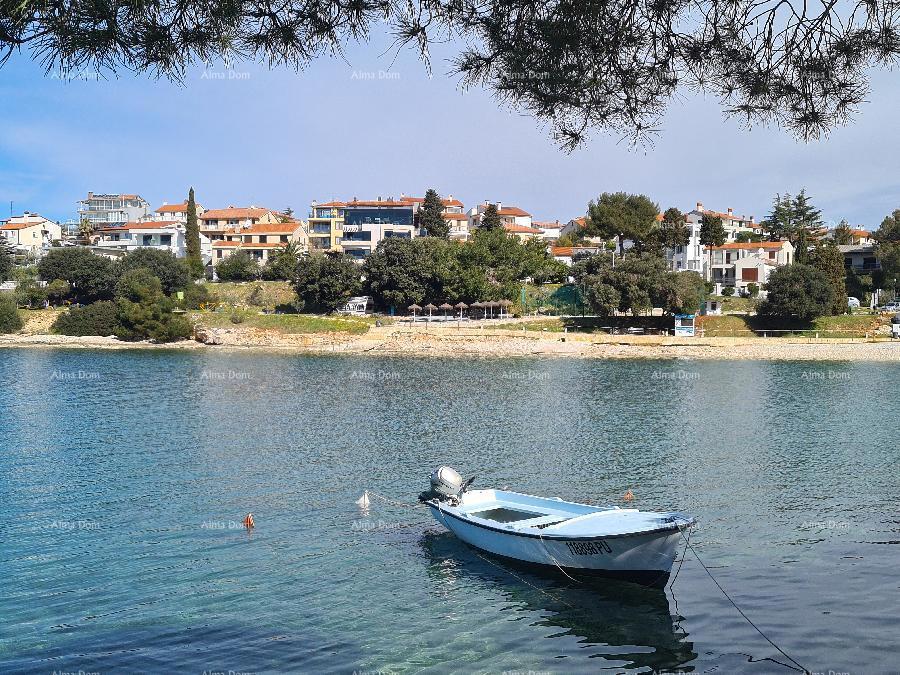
[
  {"x": 739, "y": 264},
  {"x": 30, "y": 232},
  {"x": 692, "y": 256},
  {"x": 165, "y": 235},
  {"x": 104, "y": 210},
  {"x": 550, "y": 230},
  {"x": 168, "y": 212}
]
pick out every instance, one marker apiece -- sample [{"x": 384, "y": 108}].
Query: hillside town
[{"x": 112, "y": 225}]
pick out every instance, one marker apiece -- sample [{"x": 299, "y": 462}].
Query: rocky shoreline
[{"x": 450, "y": 343}]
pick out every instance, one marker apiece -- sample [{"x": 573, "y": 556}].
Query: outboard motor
[
  {"x": 446, "y": 481},
  {"x": 446, "y": 484}
]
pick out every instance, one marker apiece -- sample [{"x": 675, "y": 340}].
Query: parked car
[
  {"x": 890, "y": 307},
  {"x": 852, "y": 302}
]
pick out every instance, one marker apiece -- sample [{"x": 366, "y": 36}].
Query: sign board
[{"x": 684, "y": 325}]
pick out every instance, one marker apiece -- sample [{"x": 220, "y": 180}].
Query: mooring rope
[{"x": 688, "y": 546}]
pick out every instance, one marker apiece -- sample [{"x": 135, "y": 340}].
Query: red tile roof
[
  {"x": 509, "y": 227},
  {"x": 749, "y": 246},
  {"x": 232, "y": 213},
  {"x": 512, "y": 211},
  {"x": 455, "y": 216},
  {"x": 569, "y": 250},
  {"x": 173, "y": 208}
]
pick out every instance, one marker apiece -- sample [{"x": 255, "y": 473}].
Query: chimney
[
  {"x": 700, "y": 207},
  {"x": 730, "y": 211},
  {"x": 314, "y": 203},
  {"x": 450, "y": 196},
  {"x": 499, "y": 206}
]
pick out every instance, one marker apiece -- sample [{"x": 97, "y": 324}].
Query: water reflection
[{"x": 618, "y": 621}]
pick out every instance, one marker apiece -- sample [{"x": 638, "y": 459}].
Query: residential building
[
  {"x": 572, "y": 254},
  {"x": 550, "y": 230},
  {"x": 691, "y": 257},
  {"x": 106, "y": 210},
  {"x": 859, "y": 237},
  {"x": 459, "y": 226},
  {"x": 368, "y": 222},
  {"x": 30, "y": 232},
  {"x": 325, "y": 226},
  {"x": 217, "y": 221},
  {"x": 510, "y": 215},
  {"x": 165, "y": 235},
  {"x": 738, "y": 264},
  {"x": 860, "y": 259},
  {"x": 177, "y": 212},
  {"x": 259, "y": 239}
]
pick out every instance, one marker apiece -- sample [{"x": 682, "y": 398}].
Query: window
[
  {"x": 284, "y": 239},
  {"x": 165, "y": 239}
]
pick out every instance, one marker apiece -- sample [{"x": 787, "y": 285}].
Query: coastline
[{"x": 452, "y": 343}]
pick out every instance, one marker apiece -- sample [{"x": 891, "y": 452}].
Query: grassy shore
[{"x": 291, "y": 324}]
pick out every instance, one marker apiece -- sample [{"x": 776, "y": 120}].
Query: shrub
[
  {"x": 196, "y": 295},
  {"x": 752, "y": 290},
  {"x": 239, "y": 266},
  {"x": 728, "y": 291},
  {"x": 145, "y": 313},
  {"x": 99, "y": 318},
  {"x": 10, "y": 321},
  {"x": 237, "y": 317}
]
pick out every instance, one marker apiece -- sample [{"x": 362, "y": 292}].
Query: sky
[{"x": 375, "y": 124}]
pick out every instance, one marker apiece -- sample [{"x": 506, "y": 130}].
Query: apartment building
[
  {"x": 107, "y": 210},
  {"x": 738, "y": 264},
  {"x": 165, "y": 235},
  {"x": 692, "y": 256},
  {"x": 260, "y": 239},
  {"x": 368, "y": 222}
]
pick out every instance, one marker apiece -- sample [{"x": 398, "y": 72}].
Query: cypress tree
[
  {"x": 192, "y": 239},
  {"x": 490, "y": 219},
  {"x": 7, "y": 262},
  {"x": 431, "y": 216}
]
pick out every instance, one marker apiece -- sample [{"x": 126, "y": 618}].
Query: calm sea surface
[{"x": 124, "y": 477}]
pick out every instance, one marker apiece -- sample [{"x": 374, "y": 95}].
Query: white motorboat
[{"x": 575, "y": 539}]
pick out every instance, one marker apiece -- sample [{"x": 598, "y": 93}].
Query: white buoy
[{"x": 363, "y": 502}]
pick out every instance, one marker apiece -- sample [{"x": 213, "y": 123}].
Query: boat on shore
[{"x": 576, "y": 540}]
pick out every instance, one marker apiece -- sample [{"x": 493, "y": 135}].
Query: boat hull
[{"x": 646, "y": 557}]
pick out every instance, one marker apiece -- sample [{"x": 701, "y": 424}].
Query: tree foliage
[
  {"x": 239, "y": 266},
  {"x": 431, "y": 215},
  {"x": 144, "y": 312},
  {"x": 90, "y": 277},
  {"x": 792, "y": 216},
  {"x": 843, "y": 234},
  {"x": 827, "y": 258},
  {"x": 282, "y": 263},
  {"x": 712, "y": 230},
  {"x": 577, "y": 65},
  {"x": 800, "y": 292},
  {"x": 98, "y": 318},
  {"x": 10, "y": 321},
  {"x": 193, "y": 253},
  {"x": 325, "y": 281},
  {"x": 7, "y": 261},
  {"x": 172, "y": 273},
  {"x": 621, "y": 215},
  {"x": 490, "y": 219},
  {"x": 887, "y": 238}
]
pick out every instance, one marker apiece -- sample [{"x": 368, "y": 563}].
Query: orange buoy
[
  {"x": 629, "y": 496},
  {"x": 248, "y": 522}
]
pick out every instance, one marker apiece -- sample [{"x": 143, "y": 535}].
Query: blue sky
[{"x": 279, "y": 138}]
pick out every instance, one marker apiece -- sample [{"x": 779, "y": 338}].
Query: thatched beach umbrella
[
  {"x": 491, "y": 305},
  {"x": 446, "y": 307},
  {"x": 414, "y": 308},
  {"x": 430, "y": 307},
  {"x": 477, "y": 305},
  {"x": 504, "y": 304},
  {"x": 461, "y": 306}
]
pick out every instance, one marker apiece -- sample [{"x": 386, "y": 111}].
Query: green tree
[
  {"x": 602, "y": 298},
  {"x": 801, "y": 251},
  {"x": 325, "y": 281},
  {"x": 58, "y": 290},
  {"x": 30, "y": 294},
  {"x": 193, "y": 254},
  {"x": 779, "y": 223},
  {"x": 800, "y": 292},
  {"x": 431, "y": 216},
  {"x": 827, "y": 258},
  {"x": 239, "y": 266},
  {"x": 7, "y": 261},
  {"x": 622, "y": 215},
  {"x": 887, "y": 238},
  {"x": 490, "y": 219},
  {"x": 806, "y": 216},
  {"x": 172, "y": 273},
  {"x": 282, "y": 263},
  {"x": 401, "y": 272},
  {"x": 10, "y": 321},
  {"x": 144, "y": 312},
  {"x": 843, "y": 234},
  {"x": 91, "y": 277},
  {"x": 641, "y": 280},
  {"x": 683, "y": 292},
  {"x": 675, "y": 229},
  {"x": 744, "y": 237}
]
